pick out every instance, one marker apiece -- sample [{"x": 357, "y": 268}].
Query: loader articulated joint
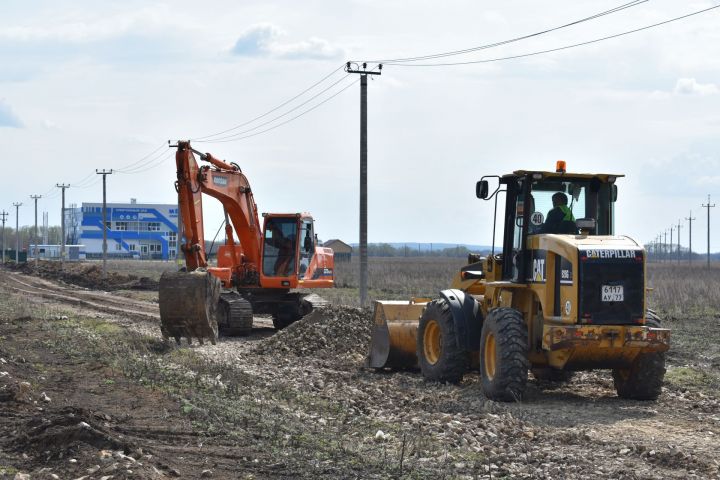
[{"x": 466, "y": 316}]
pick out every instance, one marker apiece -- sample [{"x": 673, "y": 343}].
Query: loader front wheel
[
  {"x": 504, "y": 355},
  {"x": 439, "y": 356},
  {"x": 644, "y": 379}
]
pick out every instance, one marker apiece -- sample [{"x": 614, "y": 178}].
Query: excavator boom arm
[{"x": 230, "y": 186}]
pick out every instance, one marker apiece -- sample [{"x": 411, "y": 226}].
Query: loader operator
[{"x": 560, "y": 219}]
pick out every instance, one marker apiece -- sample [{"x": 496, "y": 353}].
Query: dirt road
[{"x": 298, "y": 404}]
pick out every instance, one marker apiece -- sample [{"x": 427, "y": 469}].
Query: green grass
[{"x": 692, "y": 377}]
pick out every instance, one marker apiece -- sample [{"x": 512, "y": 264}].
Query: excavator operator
[{"x": 286, "y": 250}]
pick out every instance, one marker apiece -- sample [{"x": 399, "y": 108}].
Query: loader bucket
[
  {"x": 188, "y": 305},
  {"x": 395, "y": 324}
]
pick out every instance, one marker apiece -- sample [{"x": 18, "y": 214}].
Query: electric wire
[
  {"x": 271, "y": 110},
  {"x": 293, "y": 118},
  {"x": 214, "y": 140},
  {"x": 557, "y": 49},
  {"x": 133, "y": 164},
  {"x": 160, "y": 160},
  {"x": 512, "y": 40},
  {"x": 158, "y": 157}
]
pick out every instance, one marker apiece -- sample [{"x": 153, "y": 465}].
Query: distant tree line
[
  {"x": 26, "y": 234},
  {"x": 410, "y": 250}
]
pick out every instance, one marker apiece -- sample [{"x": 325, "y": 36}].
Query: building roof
[{"x": 338, "y": 243}]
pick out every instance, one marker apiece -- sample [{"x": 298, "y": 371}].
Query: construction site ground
[{"x": 89, "y": 389}]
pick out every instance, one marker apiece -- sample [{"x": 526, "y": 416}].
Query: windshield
[
  {"x": 555, "y": 205},
  {"x": 279, "y": 251}
]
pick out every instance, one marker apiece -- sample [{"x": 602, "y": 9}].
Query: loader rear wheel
[
  {"x": 644, "y": 379},
  {"x": 504, "y": 355},
  {"x": 439, "y": 356}
]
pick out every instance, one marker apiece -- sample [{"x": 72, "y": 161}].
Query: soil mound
[
  {"x": 332, "y": 332},
  {"x": 86, "y": 275}
]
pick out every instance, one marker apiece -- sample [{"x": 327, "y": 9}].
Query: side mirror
[
  {"x": 614, "y": 193},
  {"x": 482, "y": 189}
]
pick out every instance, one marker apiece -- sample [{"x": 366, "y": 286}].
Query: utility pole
[
  {"x": 690, "y": 220},
  {"x": 679, "y": 226},
  {"x": 62, "y": 223},
  {"x": 4, "y": 215},
  {"x": 672, "y": 229},
  {"x": 665, "y": 245},
  {"x": 708, "y": 206},
  {"x": 104, "y": 173},
  {"x": 17, "y": 231},
  {"x": 35, "y": 233},
  {"x": 363, "y": 174}
]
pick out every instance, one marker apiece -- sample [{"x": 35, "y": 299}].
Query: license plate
[{"x": 613, "y": 293}]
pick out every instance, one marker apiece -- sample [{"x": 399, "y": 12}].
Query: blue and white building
[{"x": 134, "y": 230}]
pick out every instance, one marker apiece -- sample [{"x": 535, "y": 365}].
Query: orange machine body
[{"x": 283, "y": 254}]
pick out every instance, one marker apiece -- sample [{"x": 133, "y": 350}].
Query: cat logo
[{"x": 538, "y": 270}]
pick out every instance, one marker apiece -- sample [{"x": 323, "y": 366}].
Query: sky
[{"x": 90, "y": 85}]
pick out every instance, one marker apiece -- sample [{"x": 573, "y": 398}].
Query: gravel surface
[{"x": 576, "y": 430}]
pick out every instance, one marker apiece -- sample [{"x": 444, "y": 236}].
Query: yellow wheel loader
[{"x": 564, "y": 294}]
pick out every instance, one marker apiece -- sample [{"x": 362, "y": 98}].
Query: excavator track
[
  {"x": 189, "y": 304},
  {"x": 235, "y": 315}
]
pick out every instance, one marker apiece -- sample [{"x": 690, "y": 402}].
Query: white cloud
[
  {"x": 8, "y": 118},
  {"x": 50, "y": 125},
  {"x": 263, "y": 40},
  {"x": 690, "y": 86}
]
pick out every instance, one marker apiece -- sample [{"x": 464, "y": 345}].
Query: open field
[{"x": 88, "y": 388}]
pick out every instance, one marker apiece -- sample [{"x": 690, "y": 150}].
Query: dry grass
[
  {"x": 677, "y": 289},
  {"x": 681, "y": 290}
]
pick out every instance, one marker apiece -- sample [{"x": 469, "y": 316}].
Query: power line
[
  {"x": 566, "y": 47},
  {"x": 275, "y": 118},
  {"x": 293, "y": 118},
  {"x": 273, "y": 109},
  {"x": 137, "y": 162},
  {"x": 149, "y": 166},
  {"x": 512, "y": 40}
]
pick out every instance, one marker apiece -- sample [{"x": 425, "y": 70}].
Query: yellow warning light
[{"x": 560, "y": 166}]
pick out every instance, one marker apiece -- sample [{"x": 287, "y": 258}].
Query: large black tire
[
  {"x": 504, "y": 355},
  {"x": 439, "y": 356},
  {"x": 547, "y": 374},
  {"x": 644, "y": 379}
]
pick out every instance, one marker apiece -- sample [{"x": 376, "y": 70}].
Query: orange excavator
[{"x": 255, "y": 275}]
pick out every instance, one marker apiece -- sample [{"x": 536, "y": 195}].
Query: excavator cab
[{"x": 291, "y": 257}]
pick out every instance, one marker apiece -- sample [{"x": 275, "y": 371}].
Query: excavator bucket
[
  {"x": 395, "y": 324},
  {"x": 188, "y": 305}
]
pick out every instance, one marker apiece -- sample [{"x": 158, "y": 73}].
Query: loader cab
[{"x": 529, "y": 206}]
